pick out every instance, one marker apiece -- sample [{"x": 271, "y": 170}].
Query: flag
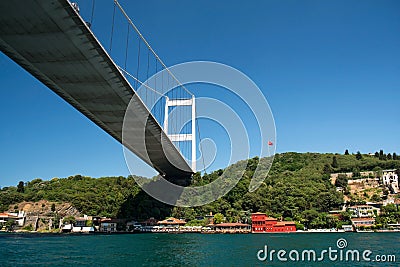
[{"x": 270, "y": 143}]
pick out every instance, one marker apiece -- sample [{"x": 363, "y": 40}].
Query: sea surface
[{"x": 194, "y": 249}]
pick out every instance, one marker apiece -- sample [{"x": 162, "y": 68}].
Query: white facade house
[
  {"x": 363, "y": 211},
  {"x": 108, "y": 225},
  {"x": 391, "y": 179},
  {"x": 82, "y": 229},
  {"x": 18, "y": 217}
]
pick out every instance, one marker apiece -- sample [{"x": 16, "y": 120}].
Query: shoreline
[{"x": 187, "y": 232}]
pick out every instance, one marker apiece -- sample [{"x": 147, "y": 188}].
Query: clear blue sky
[{"x": 330, "y": 71}]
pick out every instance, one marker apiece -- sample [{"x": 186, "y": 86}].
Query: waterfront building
[
  {"x": 80, "y": 221},
  {"x": 231, "y": 228},
  {"x": 83, "y": 229},
  {"x": 67, "y": 228},
  {"x": 394, "y": 226},
  {"x": 150, "y": 222},
  {"x": 261, "y": 223},
  {"x": 5, "y": 217},
  {"x": 365, "y": 222},
  {"x": 347, "y": 228},
  {"x": 171, "y": 223},
  {"x": 18, "y": 218},
  {"x": 109, "y": 225}
]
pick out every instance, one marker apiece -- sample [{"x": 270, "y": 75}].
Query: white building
[
  {"x": 82, "y": 229},
  {"x": 363, "y": 211},
  {"x": 108, "y": 225},
  {"x": 390, "y": 178},
  {"x": 18, "y": 217}
]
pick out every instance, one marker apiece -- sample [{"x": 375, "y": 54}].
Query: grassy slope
[{"x": 296, "y": 187}]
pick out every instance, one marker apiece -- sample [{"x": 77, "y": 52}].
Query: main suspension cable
[
  {"x": 138, "y": 64},
  {"x": 127, "y": 47},
  {"x": 149, "y": 47},
  {"x": 112, "y": 27},
  {"x": 92, "y": 15},
  {"x": 138, "y": 81}
]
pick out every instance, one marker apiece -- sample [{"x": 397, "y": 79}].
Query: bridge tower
[{"x": 177, "y": 137}]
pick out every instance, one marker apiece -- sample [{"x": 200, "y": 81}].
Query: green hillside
[{"x": 297, "y": 187}]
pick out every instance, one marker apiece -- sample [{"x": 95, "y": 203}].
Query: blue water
[{"x": 184, "y": 249}]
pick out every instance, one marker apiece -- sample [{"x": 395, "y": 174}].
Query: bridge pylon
[{"x": 178, "y": 137}]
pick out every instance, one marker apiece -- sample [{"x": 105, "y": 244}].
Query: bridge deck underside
[{"x": 53, "y": 43}]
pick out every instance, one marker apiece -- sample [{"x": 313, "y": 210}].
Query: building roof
[
  {"x": 151, "y": 221},
  {"x": 362, "y": 219},
  {"x": 172, "y": 221},
  {"x": 270, "y": 219},
  {"x": 335, "y": 211},
  {"x": 110, "y": 220},
  {"x": 290, "y": 223},
  {"x": 285, "y": 223},
  {"x": 231, "y": 225},
  {"x": 390, "y": 170},
  {"x": 258, "y": 213},
  {"x": 362, "y": 206},
  {"x": 6, "y": 215}
]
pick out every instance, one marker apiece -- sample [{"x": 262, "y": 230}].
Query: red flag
[{"x": 270, "y": 143}]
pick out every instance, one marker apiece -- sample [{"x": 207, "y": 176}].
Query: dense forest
[{"x": 297, "y": 188}]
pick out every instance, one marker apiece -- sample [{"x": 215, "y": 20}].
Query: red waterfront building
[{"x": 261, "y": 223}]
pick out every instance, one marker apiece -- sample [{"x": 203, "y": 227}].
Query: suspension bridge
[{"x": 54, "y": 43}]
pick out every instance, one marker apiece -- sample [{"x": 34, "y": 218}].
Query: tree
[
  {"x": 345, "y": 216},
  {"x": 10, "y": 225},
  {"x": 325, "y": 201},
  {"x": 377, "y": 154},
  {"x": 53, "y": 207},
  {"x": 341, "y": 181},
  {"x": 218, "y": 218},
  {"x": 395, "y": 156},
  {"x": 375, "y": 198},
  {"x": 347, "y": 152},
  {"x": 356, "y": 172},
  {"x": 390, "y": 208},
  {"x": 21, "y": 187},
  {"x": 309, "y": 216},
  {"x": 327, "y": 169},
  {"x": 382, "y": 155},
  {"x": 358, "y": 155},
  {"x": 69, "y": 220},
  {"x": 389, "y": 156},
  {"x": 334, "y": 162}
]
